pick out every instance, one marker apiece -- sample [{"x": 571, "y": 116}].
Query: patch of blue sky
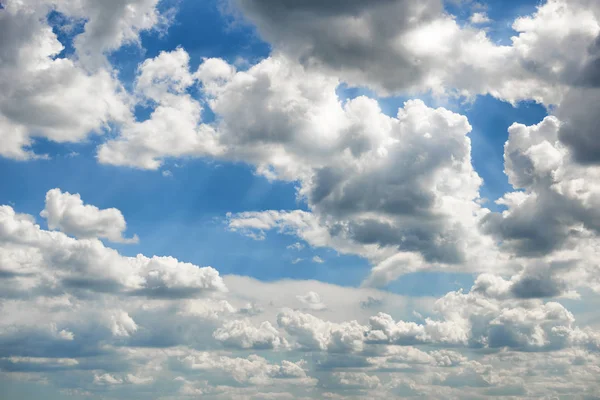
[
  {"x": 501, "y": 13},
  {"x": 490, "y": 119},
  {"x": 203, "y": 30},
  {"x": 65, "y": 30},
  {"x": 180, "y": 215}
]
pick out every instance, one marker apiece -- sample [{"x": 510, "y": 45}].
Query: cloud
[
  {"x": 313, "y": 333},
  {"x": 67, "y": 213},
  {"x": 425, "y": 49},
  {"x": 312, "y": 300},
  {"x": 479, "y": 18},
  {"x": 399, "y": 190},
  {"x": 64, "y": 99},
  {"x": 253, "y": 370},
  {"x": 241, "y": 334},
  {"x": 162, "y": 81},
  {"x": 550, "y": 218},
  {"x": 131, "y": 327},
  {"x": 375, "y": 185},
  {"x": 38, "y": 257},
  {"x": 296, "y": 246}
]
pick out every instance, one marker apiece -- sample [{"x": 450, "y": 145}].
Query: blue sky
[{"x": 293, "y": 199}]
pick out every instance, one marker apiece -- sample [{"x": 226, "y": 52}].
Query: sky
[{"x": 295, "y": 199}]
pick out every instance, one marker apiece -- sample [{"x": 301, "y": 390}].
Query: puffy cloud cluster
[
  {"x": 123, "y": 326},
  {"x": 400, "y": 45},
  {"x": 316, "y": 334},
  {"x": 400, "y": 190},
  {"x": 173, "y": 129},
  {"x": 47, "y": 262},
  {"x": 483, "y": 317},
  {"x": 63, "y": 98},
  {"x": 376, "y": 185},
  {"x": 552, "y": 218},
  {"x": 241, "y": 334}
]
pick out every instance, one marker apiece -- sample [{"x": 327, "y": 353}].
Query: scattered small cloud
[
  {"x": 480, "y": 18},
  {"x": 296, "y": 246}
]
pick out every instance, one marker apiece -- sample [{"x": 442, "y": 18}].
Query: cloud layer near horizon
[{"x": 121, "y": 326}]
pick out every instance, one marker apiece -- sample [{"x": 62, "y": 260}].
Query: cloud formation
[
  {"x": 398, "y": 190},
  {"x": 67, "y": 213},
  {"x": 128, "y": 325}
]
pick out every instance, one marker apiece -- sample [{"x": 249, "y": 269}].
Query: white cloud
[
  {"x": 315, "y": 334},
  {"x": 424, "y": 49},
  {"x": 479, "y": 18},
  {"x": 241, "y": 334},
  {"x": 117, "y": 341},
  {"x": 312, "y": 300},
  {"x": 67, "y": 213},
  {"x": 356, "y": 380},
  {"x": 253, "y": 370},
  {"x": 162, "y": 80},
  {"x": 296, "y": 246},
  {"x": 553, "y": 216},
  {"x": 51, "y": 96},
  {"x": 38, "y": 257}
]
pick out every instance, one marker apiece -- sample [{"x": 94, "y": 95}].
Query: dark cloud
[
  {"x": 352, "y": 37},
  {"x": 580, "y": 129}
]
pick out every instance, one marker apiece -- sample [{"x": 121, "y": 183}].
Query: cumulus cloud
[
  {"x": 479, "y": 18},
  {"x": 162, "y": 81},
  {"x": 241, "y": 334},
  {"x": 63, "y": 99},
  {"x": 489, "y": 316},
  {"x": 426, "y": 48},
  {"x": 551, "y": 218},
  {"x": 376, "y": 185},
  {"x": 312, "y": 300},
  {"x": 171, "y": 327},
  {"x": 67, "y": 213},
  {"x": 36, "y": 257},
  {"x": 315, "y": 334}
]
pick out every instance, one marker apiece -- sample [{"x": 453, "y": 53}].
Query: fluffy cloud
[
  {"x": 45, "y": 261},
  {"x": 376, "y": 185},
  {"x": 485, "y": 317},
  {"x": 399, "y": 46},
  {"x": 44, "y": 95},
  {"x": 63, "y": 99},
  {"x": 314, "y": 333},
  {"x": 312, "y": 300},
  {"x": 135, "y": 333},
  {"x": 390, "y": 45},
  {"x": 67, "y": 213},
  {"x": 243, "y": 335},
  {"x": 162, "y": 81},
  {"x": 552, "y": 219},
  {"x": 253, "y": 370}
]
